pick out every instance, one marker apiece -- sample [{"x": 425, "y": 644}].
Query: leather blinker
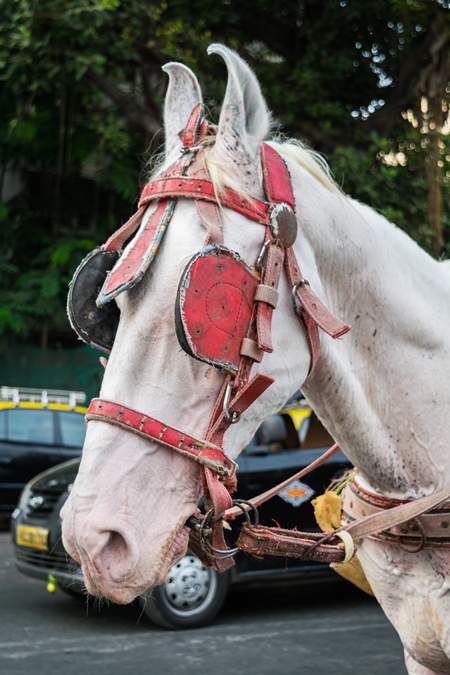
[
  {"x": 214, "y": 306},
  {"x": 97, "y": 326}
]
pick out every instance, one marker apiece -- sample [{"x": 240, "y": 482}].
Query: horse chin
[{"x": 125, "y": 590}]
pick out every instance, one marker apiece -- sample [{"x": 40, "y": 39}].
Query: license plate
[{"x": 33, "y": 537}]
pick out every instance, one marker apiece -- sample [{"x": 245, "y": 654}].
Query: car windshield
[
  {"x": 73, "y": 429},
  {"x": 27, "y": 426}
]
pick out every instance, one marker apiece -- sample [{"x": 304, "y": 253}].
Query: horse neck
[{"x": 383, "y": 390}]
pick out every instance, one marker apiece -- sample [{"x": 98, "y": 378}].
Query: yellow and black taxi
[
  {"x": 38, "y": 429},
  {"x": 193, "y": 594}
]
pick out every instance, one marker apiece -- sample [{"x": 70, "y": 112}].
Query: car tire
[{"x": 191, "y": 597}]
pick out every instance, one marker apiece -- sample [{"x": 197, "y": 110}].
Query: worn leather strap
[
  {"x": 267, "y": 294},
  {"x": 117, "y": 239},
  {"x": 239, "y": 404},
  {"x": 268, "y": 494},
  {"x": 260, "y": 541},
  {"x": 276, "y": 178},
  {"x": 310, "y": 303},
  {"x": 197, "y": 188},
  {"x": 386, "y": 519},
  {"x": 250, "y": 349},
  {"x": 208, "y": 212},
  {"x": 264, "y": 310},
  {"x": 129, "y": 269},
  {"x": 191, "y": 131},
  {"x": 358, "y": 505},
  {"x": 203, "y": 452}
]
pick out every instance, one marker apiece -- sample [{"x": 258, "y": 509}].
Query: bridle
[{"x": 188, "y": 177}]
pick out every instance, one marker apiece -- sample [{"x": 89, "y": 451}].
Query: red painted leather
[
  {"x": 240, "y": 402},
  {"x": 192, "y": 127},
  {"x": 277, "y": 181},
  {"x": 216, "y": 306},
  {"x": 195, "y": 188},
  {"x": 203, "y": 452},
  {"x": 130, "y": 266},
  {"x": 117, "y": 239}
]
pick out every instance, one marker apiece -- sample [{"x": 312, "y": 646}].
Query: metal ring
[
  {"x": 228, "y": 553},
  {"x": 301, "y": 282},
  {"x": 235, "y": 417},
  {"x": 205, "y": 531},
  {"x": 317, "y": 543},
  {"x": 204, "y": 537},
  {"x": 421, "y": 543},
  {"x": 239, "y": 503}
]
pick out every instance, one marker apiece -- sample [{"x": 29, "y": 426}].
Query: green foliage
[
  {"x": 398, "y": 192},
  {"x": 81, "y": 91}
]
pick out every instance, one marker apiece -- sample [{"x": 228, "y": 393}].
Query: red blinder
[{"x": 214, "y": 306}]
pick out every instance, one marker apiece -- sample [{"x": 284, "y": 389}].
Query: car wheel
[{"x": 191, "y": 596}]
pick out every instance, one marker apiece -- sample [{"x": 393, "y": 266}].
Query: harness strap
[
  {"x": 357, "y": 503},
  {"x": 276, "y": 178},
  {"x": 196, "y": 188},
  {"x": 117, "y": 239},
  {"x": 191, "y": 131},
  {"x": 310, "y": 303},
  {"x": 208, "y": 212},
  {"x": 130, "y": 269},
  {"x": 264, "y": 297},
  {"x": 268, "y": 494},
  {"x": 203, "y": 452},
  {"x": 386, "y": 519},
  {"x": 243, "y": 400},
  {"x": 250, "y": 349}
]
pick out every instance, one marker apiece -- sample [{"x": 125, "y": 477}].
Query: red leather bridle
[{"x": 189, "y": 178}]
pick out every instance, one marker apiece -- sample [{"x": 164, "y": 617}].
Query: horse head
[{"x": 124, "y": 521}]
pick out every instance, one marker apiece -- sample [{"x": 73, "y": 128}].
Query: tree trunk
[{"x": 434, "y": 173}]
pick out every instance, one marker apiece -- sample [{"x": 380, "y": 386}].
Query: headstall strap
[{"x": 188, "y": 177}]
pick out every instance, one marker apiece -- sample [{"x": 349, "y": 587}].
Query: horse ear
[
  {"x": 244, "y": 120},
  {"x": 182, "y": 96}
]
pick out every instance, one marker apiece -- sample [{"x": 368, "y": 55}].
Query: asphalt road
[{"x": 291, "y": 629}]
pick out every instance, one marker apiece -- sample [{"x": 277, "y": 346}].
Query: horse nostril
[{"x": 117, "y": 544}]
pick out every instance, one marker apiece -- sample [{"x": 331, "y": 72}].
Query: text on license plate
[{"x": 35, "y": 537}]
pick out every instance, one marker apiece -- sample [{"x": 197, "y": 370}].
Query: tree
[{"x": 82, "y": 90}]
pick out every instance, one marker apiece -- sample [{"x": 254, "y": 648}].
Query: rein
[{"x": 189, "y": 178}]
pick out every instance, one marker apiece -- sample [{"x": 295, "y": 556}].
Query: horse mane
[{"x": 310, "y": 160}]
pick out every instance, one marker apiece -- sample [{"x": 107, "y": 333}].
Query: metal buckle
[
  {"x": 235, "y": 417},
  {"x": 259, "y": 259},
  {"x": 300, "y": 283},
  {"x": 413, "y": 526}
]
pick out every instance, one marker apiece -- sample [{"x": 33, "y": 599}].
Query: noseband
[{"x": 224, "y": 306}]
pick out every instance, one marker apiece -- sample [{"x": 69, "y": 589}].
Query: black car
[
  {"x": 193, "y": 594},
  {"x": 39, "y": 428}
]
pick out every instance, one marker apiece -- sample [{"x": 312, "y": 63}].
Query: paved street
[{"x": 319, "y": 628}]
